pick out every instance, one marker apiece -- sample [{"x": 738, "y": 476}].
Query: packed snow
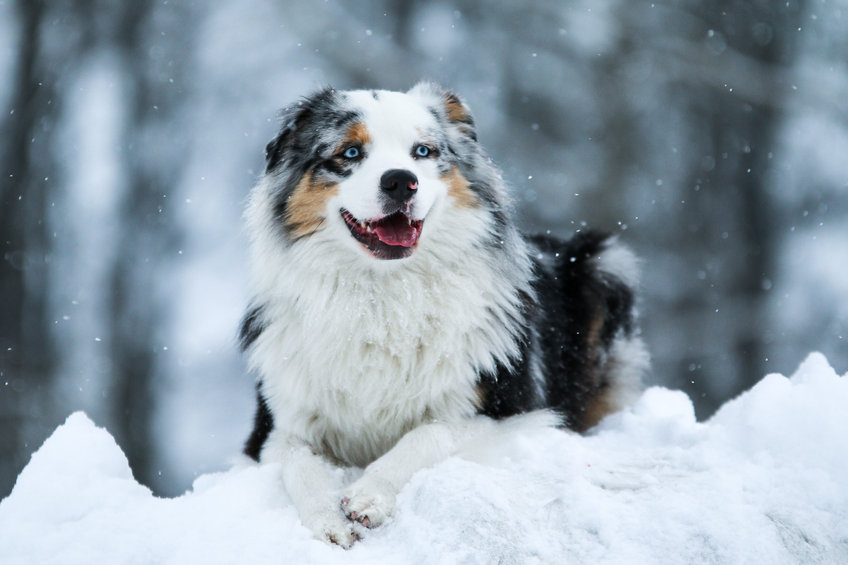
[{"x": 765, "y": 480}]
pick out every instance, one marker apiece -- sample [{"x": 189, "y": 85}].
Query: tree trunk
[{"x": 26, "y": 353}]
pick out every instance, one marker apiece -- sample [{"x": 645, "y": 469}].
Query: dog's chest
[{"x": 355, "y": 365}]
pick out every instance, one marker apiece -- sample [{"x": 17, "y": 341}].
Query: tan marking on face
[
  {"x": 459, "y": 189},
  {"x": 357, "y": 134},
  {"x": 307, "y": 205}
]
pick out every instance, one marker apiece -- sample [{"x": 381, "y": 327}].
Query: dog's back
[{"x": 581, "y": 354}]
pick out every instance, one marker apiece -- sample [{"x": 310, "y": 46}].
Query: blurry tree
[
  {"x": 152, "y": 46},
  {"x": 27, "y": 183},
  {"x": 729, "y": 67}
]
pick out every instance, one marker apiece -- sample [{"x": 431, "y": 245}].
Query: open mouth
[{"x": 390, "y": 237}]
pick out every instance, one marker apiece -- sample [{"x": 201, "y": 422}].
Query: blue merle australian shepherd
[{"x": 397, "y": 312}]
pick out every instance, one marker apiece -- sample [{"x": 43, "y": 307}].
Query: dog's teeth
[
  {"x": 362, "y": 225},
  {"x": 368, "y": 229}
]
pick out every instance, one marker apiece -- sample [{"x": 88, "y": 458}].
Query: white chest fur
[{"x": 352, "y": 357}]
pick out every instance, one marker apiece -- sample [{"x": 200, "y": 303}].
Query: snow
[{"x": 763, "y": 481}]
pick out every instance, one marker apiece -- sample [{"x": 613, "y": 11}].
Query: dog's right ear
[
  {"x": 274, "y": 149},
  {"x": 293, "y": 118}
]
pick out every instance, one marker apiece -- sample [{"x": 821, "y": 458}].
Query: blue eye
[
  {"x": 422, "y": 151},
  {"x": 351, "y": 153}
]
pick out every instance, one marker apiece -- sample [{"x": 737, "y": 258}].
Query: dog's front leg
[
  {"x": 313, "y": 484},
  {"x": 371, "y": 499}
]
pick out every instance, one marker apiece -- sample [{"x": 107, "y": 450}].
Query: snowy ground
[{"x": 763, "y": 481}]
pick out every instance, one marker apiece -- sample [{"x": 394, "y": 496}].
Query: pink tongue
[{"x": 395, "y": 230}]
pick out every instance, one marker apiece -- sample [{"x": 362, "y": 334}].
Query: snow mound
[{"x": 764, "y": 481}]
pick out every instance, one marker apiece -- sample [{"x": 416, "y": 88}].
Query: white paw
[
  {"x": 369, "y": 501},
  {"x": 331, "y": 527}
]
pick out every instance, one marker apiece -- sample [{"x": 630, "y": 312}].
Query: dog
[{"x": 397, "y": 313}]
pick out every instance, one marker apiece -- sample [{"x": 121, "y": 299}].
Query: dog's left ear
[
  {"x": 449, "y": 106},
  {"x": 459, "y": 114}
]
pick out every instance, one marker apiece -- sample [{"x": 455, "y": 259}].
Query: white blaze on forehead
[{"x": 393, "y": 117}]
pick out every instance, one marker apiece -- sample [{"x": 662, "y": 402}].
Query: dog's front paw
[
  {"x": 331, "y": 527},
  {"x": 343, "y": 536},
  {"x": 369, "y": 501}
]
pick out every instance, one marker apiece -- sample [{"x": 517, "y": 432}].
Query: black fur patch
[
  {"x": 510, "y": 389},
  {"x": 263, "y": 424},
  {"x": 580, "y": 311},
  {"x": 251, "y": 328}
]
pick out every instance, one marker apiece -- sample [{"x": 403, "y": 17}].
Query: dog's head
[{"x": 373, "y": 168}]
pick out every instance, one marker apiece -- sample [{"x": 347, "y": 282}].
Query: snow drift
[{"x": 765, "y": 480}]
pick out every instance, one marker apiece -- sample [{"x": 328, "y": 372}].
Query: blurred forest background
[{"x": 711, "y": 135}]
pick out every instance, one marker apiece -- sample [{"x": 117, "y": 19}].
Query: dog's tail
[{"x": 595, "y": 358}]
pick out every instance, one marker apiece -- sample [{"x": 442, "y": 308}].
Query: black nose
[{"x": 399, "y": 184}]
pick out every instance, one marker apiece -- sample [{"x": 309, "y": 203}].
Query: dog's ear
[
  {"x": 274, "y": 149},
  {"x": 294, "y": 118},
  {"x": 458, "y": 114},
  {"x": 448, "y": 106}
]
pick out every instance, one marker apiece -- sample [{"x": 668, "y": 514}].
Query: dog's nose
[{"x": 399, "y": 184}]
